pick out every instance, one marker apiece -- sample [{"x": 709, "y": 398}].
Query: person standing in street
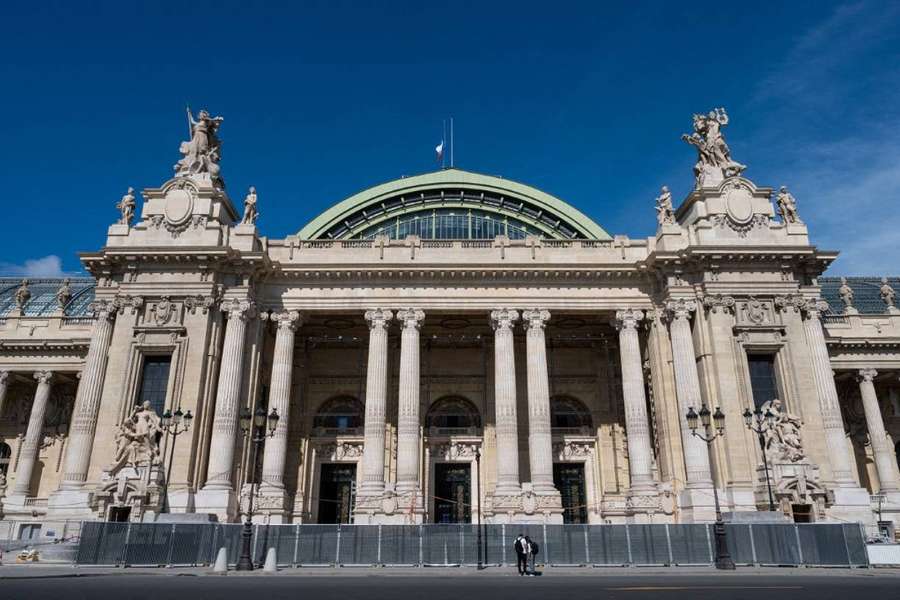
[{"x": 522, "y": 550}]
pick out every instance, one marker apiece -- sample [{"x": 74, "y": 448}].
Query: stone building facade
[{"x": 448, "y": 346}]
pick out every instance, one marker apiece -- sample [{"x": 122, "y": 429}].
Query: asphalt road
[{"x": 441, "y": 586}]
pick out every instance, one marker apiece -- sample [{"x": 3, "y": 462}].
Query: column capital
[
  {"x": 287, "y": 319},
  {"x": 535, "y": 318},
  {"x": 813, "y": 308},
  {"x": 378, "y": 317},
  {"x": 238, "y": 309},
  {"x": 716, "y": 302},
  {"x": 628, "y": 318},
  {"x": 794, "y": 301},
  {"x": 410, "y": 318},
  {"x": 504, "y": 318},
  {"x": 681, "y": 308},
  {"x": 867, "y": 375},
  {"x": 43, "y": 376},
  {"x": 4, "y": 377}
]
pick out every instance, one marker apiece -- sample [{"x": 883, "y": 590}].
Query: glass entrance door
[
  {"x": 452, "y": 493},
  {"x": 337, "y": 488},
  {"x": 569, "y": 480}
]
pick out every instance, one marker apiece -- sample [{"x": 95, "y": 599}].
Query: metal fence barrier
[{"x": 138, "y": 544}]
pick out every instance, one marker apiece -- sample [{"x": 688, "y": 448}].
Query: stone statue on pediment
[
  {"x": 846, "y": 293},
  {"x": 714, "y": 162},
  {"x": 787, "y": 206},
  {"x": 64, "y": 294},
  {"x": 665, "y": 213},
  {"x": 126, "y": 207},
  {"x": 23, "y": 294},
  {"x": 250, "y": 211},
  {"x": 201, "y": 154},
  {"x": 888, "y": 295}
]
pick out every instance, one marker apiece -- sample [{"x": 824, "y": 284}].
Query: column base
[
  {"x": 697, "y": 505},
  {"x": 390, "y": 508},
  {"x": 271, "y": 504},
  {"x": 222, "y": 503},
  {"x": 71, "y": 504},
  {"x": 524, "y": 506},
  {"x": 851, "y": 504}
]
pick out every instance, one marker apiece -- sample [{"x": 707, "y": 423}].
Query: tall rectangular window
[
  {"x": 154, "y": 381},
  {"x": 762, "y": 378}
]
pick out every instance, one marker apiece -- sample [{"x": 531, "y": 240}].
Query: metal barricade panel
[
  {"x": 856, "y": 545},
  {"x": 441, "y": 545},
  {"x": 776, "y": 544},
  {"x": 191, "y": 544},
  {"x": 400, "y": 544},
  {"x": 496, "y": 545},
  {"x": 689, "y": 544},
  {"x": 649, "y": 545},
  {"x": 823, "y": 544},
  {"x": 148, "y": 544},
  {"x": 101, "y": 543},
  {"x": 608, "y": 545},
  {"x": 317, "y": 545},
  {"x": 359, "y": 545},
  {"x": 565, "y": 545},
  {"x": 738, "y": 541}
]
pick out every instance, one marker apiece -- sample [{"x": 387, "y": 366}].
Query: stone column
[
  {"x": 640, "y": 454},
  {"x": 835, "y": 439},
  {"x": 228, "y": 398},
  {"x": 4, "y": 382},
  {"x": 87, "y": 399},
  {"x": 29, "y": 453},
  {"x": 280, "y": 399},
  {"x": 881, "y": 446},
  {"x": 687, "y": 385},
  {"x": 540, "y": 446},
  {"x": 376, "y": 403},
  {"x": 505, "y": 403},
  {"x": 408, "y": 413}
]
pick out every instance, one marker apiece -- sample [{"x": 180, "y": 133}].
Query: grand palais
[{"x": 449, "y": 347}]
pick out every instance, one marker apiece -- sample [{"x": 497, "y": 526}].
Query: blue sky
[{"x": 323, "y": 99}]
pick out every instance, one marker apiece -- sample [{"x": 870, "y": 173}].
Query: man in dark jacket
[{"x": 522, "y": 549}]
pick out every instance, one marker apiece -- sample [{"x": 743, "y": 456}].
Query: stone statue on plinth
[
  {"x": 126, "y": 206},
  {"x": 201, "y": 154},
  {"x": 888, "y": 295},
  {"x": 714, "y": 162},
  {"x": 665, "y": 213},
  {"x": 846, "y": 294},
  {"x": 64, "y": 294},
  {"x": 250, "y": 211},
  {"x": 787, "y": 206}
]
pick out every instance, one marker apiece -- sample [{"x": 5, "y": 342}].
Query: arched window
[
  {"x": 569, "y": 415},
  {"x": 5, "y": 453},
  {"x": 453, "y": 414},
  {"x": 343, "y": 414}
]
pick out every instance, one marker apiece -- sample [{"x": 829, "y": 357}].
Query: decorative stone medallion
[{"x": 739, "y": 205}]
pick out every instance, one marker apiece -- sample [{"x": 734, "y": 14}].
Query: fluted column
[
  {"x": 640, "y": 454},
  {"x": 29, "y": 452},
  {"x": 505, "y": 402},
  {"x": 4, "y": 382},
  {"x": 87, "y": 398},
  {"x": 280, "y": 397},
  {"x": 540, "y": 445},
  {"x": 881, "y": 446},
  {"x": 835, "y": 439},
  {"x": 408, "y": 413},
  {"x": 228, "y": 396},
  {"x": 376, "y": 402},
  {"x": 687, "y": 385}
]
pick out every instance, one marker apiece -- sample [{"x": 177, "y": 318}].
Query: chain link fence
[{"x": 142, "y": 544}]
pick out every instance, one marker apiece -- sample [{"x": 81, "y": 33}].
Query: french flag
[{"x": 439, "y": 150}]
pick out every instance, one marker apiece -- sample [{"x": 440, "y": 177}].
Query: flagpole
[
  {"x": 443, "y": 141},
  {"x": 451, "y": 142}
]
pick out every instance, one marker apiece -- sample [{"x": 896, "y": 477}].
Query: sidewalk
[{"x": 40, "y": 571}]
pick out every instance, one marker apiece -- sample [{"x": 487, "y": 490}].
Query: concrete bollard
[
  {"x": 271, "y": 565},
  {"x": 221, "y": 565}
]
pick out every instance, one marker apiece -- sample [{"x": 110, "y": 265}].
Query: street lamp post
[
  {"x": 713, "y": 428},
  {"x": 253, "y": 425},
  {"x": 478, "y": 468},
  {"x": 174, "y": 425},
  {"x": 759, "y": 423}
]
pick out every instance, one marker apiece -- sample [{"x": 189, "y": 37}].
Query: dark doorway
[
  {"x": 452, "y": 493},
  {"x": 802, "y": 513},
  {"x": 337, "y": 489},
  {"x": 569, "y": 480},
  {"x": 119, "y": 514}
]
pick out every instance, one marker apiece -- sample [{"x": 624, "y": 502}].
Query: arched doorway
[{"x": 453, "y": 424}]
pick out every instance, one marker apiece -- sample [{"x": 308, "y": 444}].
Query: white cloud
[{"x": 47, "y": 266}]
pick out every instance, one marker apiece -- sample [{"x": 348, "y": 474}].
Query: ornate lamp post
[
  {"x": 713, "y": 428},
  {"x": 253, "y": 425},
  {"x": 174, "y": 425},
  {"x": 759, "y": 423}
]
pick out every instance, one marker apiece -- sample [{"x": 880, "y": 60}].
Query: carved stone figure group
[
  {"x": 714, "y": 162},
  {"x": 783, "y": 441},
  {"x": 137, "y": 440},
  {"x": 201, "y": 154}
]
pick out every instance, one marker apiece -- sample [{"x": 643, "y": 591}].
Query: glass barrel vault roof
[{"x": 43, "y": 296}]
